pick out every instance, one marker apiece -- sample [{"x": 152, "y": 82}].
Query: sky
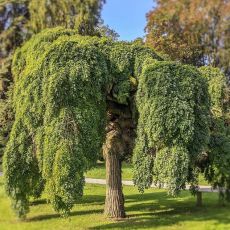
[{"x": 127, "y": 17}]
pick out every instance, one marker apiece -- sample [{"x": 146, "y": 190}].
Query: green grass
[
  {"x": 99, "y": 173},
  {"x": 152, "y": 210}
]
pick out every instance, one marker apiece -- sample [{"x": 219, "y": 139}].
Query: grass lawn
[
  {"x": 152, "y": 210},
  {"x": 99, "y": 173}
]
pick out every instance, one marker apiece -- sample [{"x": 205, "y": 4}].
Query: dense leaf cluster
[{"x": 173, "y": 125}]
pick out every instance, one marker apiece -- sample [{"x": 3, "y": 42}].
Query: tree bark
[
  {"x": 199, "y": 199},
  {"x": 117, "y": 147},
  {"x": 114, "y": 203},
  {"x": 113, "y": 149}
]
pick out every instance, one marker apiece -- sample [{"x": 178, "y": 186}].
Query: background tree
[
  {"x": 195, "y": 32},
  {"x": 105, "y": 31},
  {"x": 81, "y": 15}
]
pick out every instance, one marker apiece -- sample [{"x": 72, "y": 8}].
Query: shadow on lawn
[
  {"x": 164, "y": 218},
  {"x": 38, "y": 202},
  {"x": 55, "y": 216},
  {"x": 86, "y": 200},
  {"x": 151, "y": 210},
  {"x": 158, "y": 209}
]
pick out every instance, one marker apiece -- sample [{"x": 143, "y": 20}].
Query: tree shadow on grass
[
  {"x": 55, "y": 216},
  {"x": 150, "y": 210},
  {"x": 38, "y": 202},
  {"x": 86, "y": 199},
  {"x": 157, "y": 209},
  {"x": 164, "y": 217},
  {"x": 92, "y": 199}
]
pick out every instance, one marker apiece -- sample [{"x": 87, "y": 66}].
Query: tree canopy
[
  {"x": 81, "y": 15},
  {"x": 62, "y": 86}
]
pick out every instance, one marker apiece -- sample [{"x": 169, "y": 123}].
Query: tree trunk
[
  {"x": 118, "y": 145},
  {"x": 113, "y": 149},
  {"x": 199, "y": 199},
  {"x": 221, "y": 196},
  {"x": 114, "y": 203}
]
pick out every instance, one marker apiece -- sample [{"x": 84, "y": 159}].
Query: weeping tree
[{"x": 75, "y": 97}]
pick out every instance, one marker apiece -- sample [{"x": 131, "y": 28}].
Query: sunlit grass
[{"x": 152, "y": 210}]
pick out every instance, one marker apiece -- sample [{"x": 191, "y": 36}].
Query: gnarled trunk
[{"x": 117, "y": 147}]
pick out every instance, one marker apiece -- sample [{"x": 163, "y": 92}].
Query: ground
[
  {"x": 99, "y": 171},
  {"x": 152, "y": 210}
]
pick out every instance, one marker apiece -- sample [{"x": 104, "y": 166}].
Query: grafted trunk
[
  {"x": 114, "y": 203},
  {"x": 118, "y": 145}
]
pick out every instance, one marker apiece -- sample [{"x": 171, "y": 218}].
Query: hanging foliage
[
  {"x": 62, "y": 82},
  {"x": 59, "y": 121},
  {"x": 173, "y": 125},
  {"x": 19, "y": 19}
]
